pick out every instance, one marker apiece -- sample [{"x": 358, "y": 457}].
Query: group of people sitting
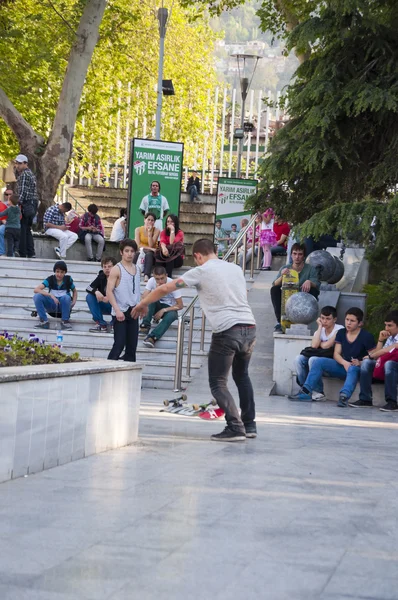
[
  {"x": 349, "y": 353},
  {"x": 114, "y": 291}
]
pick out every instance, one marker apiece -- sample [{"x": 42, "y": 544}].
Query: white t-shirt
[
  {"x": 118, "y": 233},
  {"x": 325, "y": 337},
  {"x": 169, "y": 299},
  {"x": 221, "y": 287}
]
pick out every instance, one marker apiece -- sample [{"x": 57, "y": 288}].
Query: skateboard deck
[
  {"x": 290, "y": 286},
  {"x": 179, "y": 406}
]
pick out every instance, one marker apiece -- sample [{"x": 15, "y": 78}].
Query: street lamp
[
  {"x": 246, "y": 63},
  {"x": 163, "y": 14}
]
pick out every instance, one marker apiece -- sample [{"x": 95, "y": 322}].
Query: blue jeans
[
  {"x": 193, "y": 191},
  {"x": 165, "y": 322},
  {"x": 233, "y": 348},
  {"x": 2, "y": 243},
  {"x": 98, "y": 309},
  {"x": 303, "y": 365},
  {"x": 328, "y": 366},
  {"x": 45, "y": 304},
  {"x": 390, "y": 380},
  {"x": 278, "y": 250}
]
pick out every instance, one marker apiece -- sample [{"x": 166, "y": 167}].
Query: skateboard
[
  {"x": 33, "y": 312},
  {"x": 179, "y": 406},
  {"x": 290, "y": 286}
]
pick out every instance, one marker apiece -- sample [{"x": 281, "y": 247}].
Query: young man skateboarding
[
  {"x": 221, "y": 287},
  {"x": 123, "y": 291}
]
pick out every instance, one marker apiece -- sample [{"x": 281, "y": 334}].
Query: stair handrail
[
  {"x": 191, "y": 309},
  {"x": 77, "y": 203}
]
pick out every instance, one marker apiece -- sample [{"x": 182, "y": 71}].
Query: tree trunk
[{"x": 51, "y": 164}]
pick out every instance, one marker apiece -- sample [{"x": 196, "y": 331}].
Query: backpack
[{"x": 378, "y": 372}]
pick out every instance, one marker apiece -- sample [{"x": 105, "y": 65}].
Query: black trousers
[
  {"x": 125, "y": 335},
  {"x": 172, "y": 264},
  {"x": 26, "y": 245},
  {"x": 11, "y": 236},
  {"x": 276, "y": 298}
]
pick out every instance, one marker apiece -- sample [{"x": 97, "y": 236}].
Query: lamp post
[
  {"x": 163, "y": 14},
  {"x": 246, "y": 63}
]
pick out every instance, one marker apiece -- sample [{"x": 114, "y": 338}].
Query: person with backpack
[
  {"x": 381, "y": 364},
  {"x": 56, "y": 295}
]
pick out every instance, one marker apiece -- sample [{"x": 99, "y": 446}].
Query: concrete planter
[{"x": 53, "y": 414}]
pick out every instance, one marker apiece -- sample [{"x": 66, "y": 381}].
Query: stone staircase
[
  {"x": 18, "y": 278},
  {"x": 196, "y": 218}
]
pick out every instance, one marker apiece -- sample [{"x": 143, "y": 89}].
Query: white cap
[{"x": 21, "y": 158}]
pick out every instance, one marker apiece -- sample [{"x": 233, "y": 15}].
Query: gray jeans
[
  {"x": 88, "y": 240},
  {"x": 233, "y": 348}
]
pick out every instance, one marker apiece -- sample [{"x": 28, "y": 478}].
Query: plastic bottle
[{"x": 60, "y": 337}]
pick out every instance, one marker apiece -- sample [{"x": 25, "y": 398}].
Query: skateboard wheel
[
  {"x": 33, "y": 313},
  {"x": 184, "y": 397},
  {"x": 166, "y": 402},
  {"x": 195, "y": 406},
  {"x": 214, "y": 402}
]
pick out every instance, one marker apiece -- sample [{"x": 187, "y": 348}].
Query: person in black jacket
[
  {"x": 193, "y": 186},
  {"x": 96, "y": 298}
]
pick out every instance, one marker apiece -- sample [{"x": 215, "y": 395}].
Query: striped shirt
[{"x": 53, "y": 215}]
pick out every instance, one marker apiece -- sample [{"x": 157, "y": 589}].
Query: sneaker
[
  {"x": 302, "y": 396},
  {"x": 278, "y": 328},
  {"x": 42, "y": 325},
  {"x": 318, "y": 397},
  {"x": 149, "y": 342},
  {"x": 146, "y": 278},
  {"x": 66, "y": 325},
  {"x": 361, "y": 404},
  {"x": 251, "y": 430},
  {"x": 99, "y": 329},
  {"x": 109, "y": 329},
  {"x": 144, "y": 330},
  {"x": 390, "y": 406},
  {"x": 228, "y": 435},
  {"x": 343, "y": 401},
  {"x": 16, "y": 254},
  {"x": 57, "y": 252}
]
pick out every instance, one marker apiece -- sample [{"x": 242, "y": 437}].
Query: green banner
[
  {"x": 231, "y": 197},
  {"x": 154, "y": 161}
]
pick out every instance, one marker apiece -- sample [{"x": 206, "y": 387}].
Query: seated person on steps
[
  {"x": 164, "y": 311},
  {"x": 324, "y": 338},
  {"x": 352, "y": 344},
  {"x": 96, "y": 298},
  {"x": 387, "y": 341},
  {"x": 57, "y": 301},
  {"x": 54, "y": 224},
  {"x": 308, "y": 281}
]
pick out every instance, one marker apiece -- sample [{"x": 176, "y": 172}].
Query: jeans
[
  {"x": 233, "y": 348},
  {"x": 193, "y": 191},
  {"x": 12, "y": 236},
  {"x": 165, "y": 322},
  {"x": 66, "y": 239},
  {"x": 88, "y": 242},
  {"x": 278, "y": 250},
  {"x": 98, "y": 309},
  {"x": 125, "y": 335},
  {"x": 390, "y": 380},
  {"x": 303, "y": 365},
  {"x": 2, "y": 243},
  {"x": 45, "y": 304},
  {"x": 26, "y": 245},
  {"x": 328, "y": 366},
  {"x": 276, "y": 298}
]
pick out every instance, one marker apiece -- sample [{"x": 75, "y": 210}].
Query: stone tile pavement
[{"x": 306, "y": 511}]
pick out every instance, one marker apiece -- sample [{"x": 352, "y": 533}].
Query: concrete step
[{"x": 189, "y": 218}]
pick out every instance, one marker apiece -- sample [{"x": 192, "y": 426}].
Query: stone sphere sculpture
[
  {"x": 324, "y": 261},
  {"x": 302, "y": 308},
  {"x": 338, "y": 272}
]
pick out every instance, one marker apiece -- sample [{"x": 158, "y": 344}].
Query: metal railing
[
  {"x": 72, "y": 199},
  {"x": 241, "y": 240}
]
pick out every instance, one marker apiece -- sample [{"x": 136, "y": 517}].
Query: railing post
[
  {"x": 258, "y": 249},
  {"x": 252, "y": 257},
  {"x": 202, "y": 332},
  {"x": 179, "y": 354},
  {"x": 190, "y": 340},
  {"x": 244, "y": 254}
]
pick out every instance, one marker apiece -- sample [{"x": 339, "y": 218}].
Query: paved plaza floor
[{"x": 308, "y": 510}]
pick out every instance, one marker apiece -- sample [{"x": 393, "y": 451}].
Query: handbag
[
  {"x": 309, "y": 351},
  {"x": 175, "y": 250},
  {"x": 378, "y": 372}
]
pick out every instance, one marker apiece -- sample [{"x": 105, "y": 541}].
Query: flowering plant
[{"x": 15, "y": 351}]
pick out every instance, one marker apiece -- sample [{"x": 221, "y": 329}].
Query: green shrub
[
  {"x": 382, "y": 298},
  {"x": 15, "y": 351}
]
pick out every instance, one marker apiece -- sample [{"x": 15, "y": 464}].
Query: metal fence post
[
  {"x": 190, "y": 340},
  {"x": 179, "y": 354}
]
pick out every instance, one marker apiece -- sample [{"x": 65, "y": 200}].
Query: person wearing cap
[
  {"x": 56, "y": 295},
  {"x": 27, "y": 194},
  {"x": 3, "y": 206}
]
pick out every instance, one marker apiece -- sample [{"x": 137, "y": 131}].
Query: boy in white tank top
[{"x": 123, "y": 291}]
